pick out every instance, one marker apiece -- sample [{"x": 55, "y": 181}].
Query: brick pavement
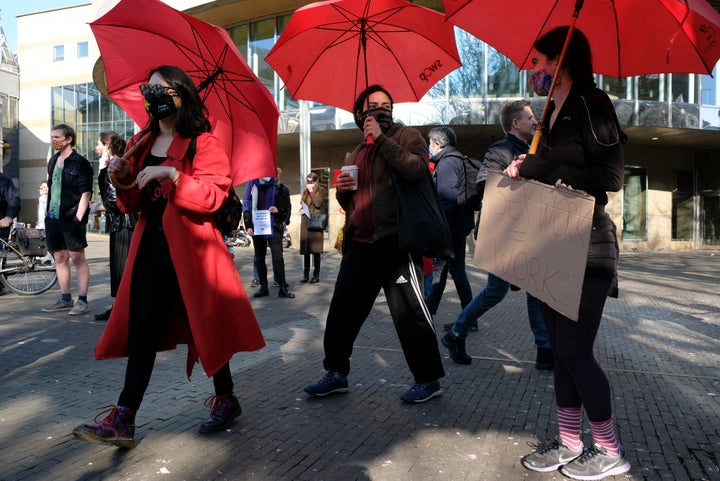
[{"x": 660, "y": 345}]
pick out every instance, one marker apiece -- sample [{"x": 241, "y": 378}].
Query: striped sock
[
  {"x": 569, "y": 421},
  {"x": 603, "y": 433}
]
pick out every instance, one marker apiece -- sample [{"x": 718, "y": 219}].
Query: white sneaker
[{"x": 79, "y": 308}]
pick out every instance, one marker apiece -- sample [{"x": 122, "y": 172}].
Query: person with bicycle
[{"x": 9, "y": 209}]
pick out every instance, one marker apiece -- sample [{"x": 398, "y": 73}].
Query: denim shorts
[{"x": 60, "y": 235}]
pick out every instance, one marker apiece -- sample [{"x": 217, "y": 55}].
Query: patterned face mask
[
  {"x": 541, "y": 82},
  {"x": 158, "y": 102}
]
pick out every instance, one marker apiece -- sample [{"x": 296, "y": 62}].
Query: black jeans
[
  {"x": 260, "y": 244},
  {"x": 365, "y": 269}
]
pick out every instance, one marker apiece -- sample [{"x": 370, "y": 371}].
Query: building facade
[{"x": 671, "y": 198}]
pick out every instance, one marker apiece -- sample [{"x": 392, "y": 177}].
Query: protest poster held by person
[
  {"x": 581, "y": 145},
  {"x": 372, "y": 258},
  {"x": 167, "y": 297}
]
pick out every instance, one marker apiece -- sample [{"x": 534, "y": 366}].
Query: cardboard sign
[{"x": 536, "y": 237}]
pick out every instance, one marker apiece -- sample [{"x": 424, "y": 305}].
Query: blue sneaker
[
  {"x": 331, "y": 383},
  {"x": 422, "y": 392}
]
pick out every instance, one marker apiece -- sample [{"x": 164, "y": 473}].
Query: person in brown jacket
[{"x": 312, "y": 242}]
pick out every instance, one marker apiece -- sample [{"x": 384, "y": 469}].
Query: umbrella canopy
[
  {"x": 138, "y": 35},
  {"x": 628, "y": 37},
  {"x": 331, "y": 51}
]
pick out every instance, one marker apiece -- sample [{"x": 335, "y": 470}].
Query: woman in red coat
[{"x": 180, "y": 285}]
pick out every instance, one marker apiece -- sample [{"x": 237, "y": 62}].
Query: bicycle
[{"x": 25, "y": 267}]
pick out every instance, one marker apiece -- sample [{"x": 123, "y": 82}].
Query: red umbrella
[
  {"x": 628, "y": 37},
  {"x": 331, "y": 51},
  {"x": 139, "y": 35}
]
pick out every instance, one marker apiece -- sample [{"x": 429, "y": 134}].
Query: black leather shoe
[
  {"x": 285, "y": 293},
  {"x": 456, "y": 348},
  {"x": 262, "y": 292},
  {"x": 304, "y": 280},
  {"x": 314, "y": 280},
  {"x": 103, "y": 316},
  {"x": 545, "y": 360}
]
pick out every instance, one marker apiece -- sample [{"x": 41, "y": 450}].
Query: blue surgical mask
[{"x": 541, "y": 83}]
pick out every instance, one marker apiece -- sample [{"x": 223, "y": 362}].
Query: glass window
[
  {"x": 682, "y": 206},
  {"x": 635, "y": 204},
  {"x": 649, "y": 87},
  {"x": 503, "y": 76},
  {"x": 616, "y": 88},
  {"x": 82, "y": 50},
  {"x": 466, "y": 81},
  {"x": 58, "y": 53},
  {"x": 239, "y": 36},
  {"x": 262, "y": 39}
]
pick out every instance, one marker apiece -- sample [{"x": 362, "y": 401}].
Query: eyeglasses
[{"x": 155, "y": 90}]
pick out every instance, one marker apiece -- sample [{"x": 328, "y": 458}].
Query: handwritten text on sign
[{"x": 536, "y": 237}]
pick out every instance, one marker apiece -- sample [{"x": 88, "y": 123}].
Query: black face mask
[
  {"x": 158, "y": 103},
  {"x": 383, "y": 117}
]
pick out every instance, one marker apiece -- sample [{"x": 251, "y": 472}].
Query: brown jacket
[{"x": 402, "y": 150}]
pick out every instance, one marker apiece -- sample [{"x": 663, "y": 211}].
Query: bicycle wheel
[{"x": 27, "y": 275}]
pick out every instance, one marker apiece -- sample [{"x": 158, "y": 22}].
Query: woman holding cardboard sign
[{"x": 581, "y": 146}]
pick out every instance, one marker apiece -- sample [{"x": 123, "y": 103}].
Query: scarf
[{"x": 257, "y": 190}]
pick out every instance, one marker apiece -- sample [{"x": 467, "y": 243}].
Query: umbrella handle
[{"x": 133, "y": 184}]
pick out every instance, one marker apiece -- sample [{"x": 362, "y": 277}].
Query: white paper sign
[
  {"x": 262, "y": 222},
  {"x": 536, "y": 237}
]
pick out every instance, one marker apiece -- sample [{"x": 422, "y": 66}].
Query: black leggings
[
  {"x": 579, "y": 379},
  {"x": 155, "y": 294}
]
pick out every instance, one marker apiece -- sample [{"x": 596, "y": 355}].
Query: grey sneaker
[
  {"x": 422, "y": 392},
  {"x": 549, "y": 456},
  {"x": 59, "y": 306},
  {"x": 595, "y": 463},
  {"x": 331, "y": 383},
  {"x": 81, "y": 307}
]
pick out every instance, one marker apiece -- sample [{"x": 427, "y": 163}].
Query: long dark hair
[
  {"x": 191, "y": 118},
  {"x": 578, "y": 59}
]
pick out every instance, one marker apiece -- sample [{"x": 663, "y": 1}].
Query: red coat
[{"x": 220, "y": 320}]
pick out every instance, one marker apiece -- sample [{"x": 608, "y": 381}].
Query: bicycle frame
[{"x": 23, "y": 274}]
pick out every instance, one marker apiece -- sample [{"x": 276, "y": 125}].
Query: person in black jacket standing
[
  {"x": 9, "y": 209},
  {"x": 582, "y": 145},
  {"x": 118, "y": 225},
  {"x": 70, "y": 183}
]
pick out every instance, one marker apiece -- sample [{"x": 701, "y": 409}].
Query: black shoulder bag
[{"x": 421, "y": 223}]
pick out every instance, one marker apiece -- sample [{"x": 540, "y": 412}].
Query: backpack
[
  {"x": 228, "y": 216},
  {"x": 472, "y": 196}
]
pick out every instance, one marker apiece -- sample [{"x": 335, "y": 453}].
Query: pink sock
[
  {"x": 569, "y": 421},
  {"x": 603, "y": 433}
]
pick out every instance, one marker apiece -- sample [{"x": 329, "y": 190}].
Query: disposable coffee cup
[{"x": 353, "y": 171}]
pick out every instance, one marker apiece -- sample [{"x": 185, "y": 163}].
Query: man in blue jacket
[{"x": 449, "y": 177}]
